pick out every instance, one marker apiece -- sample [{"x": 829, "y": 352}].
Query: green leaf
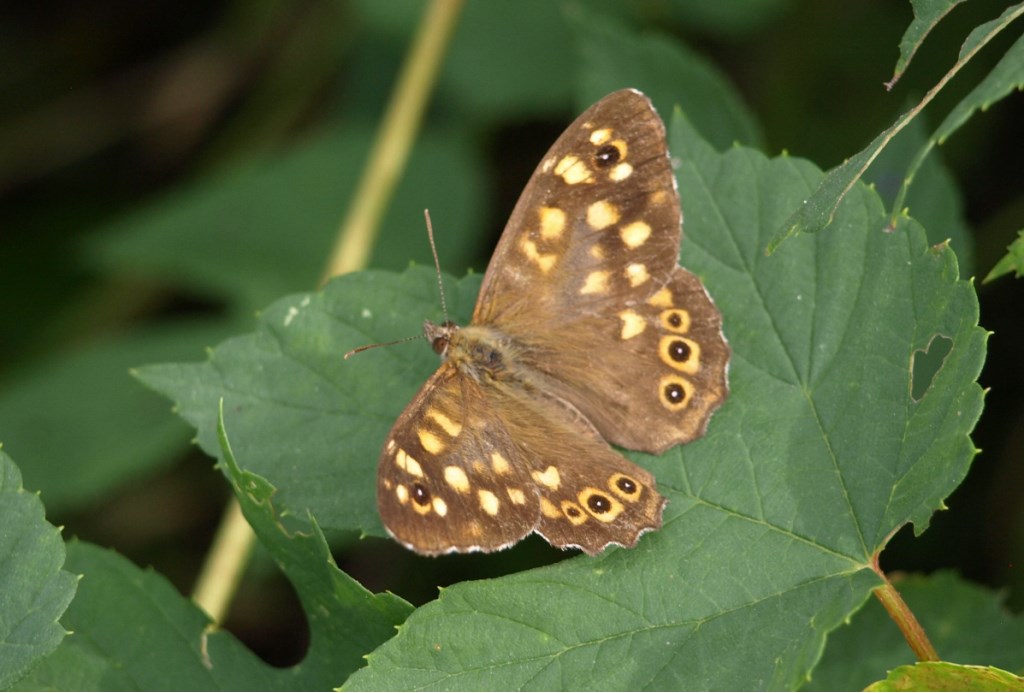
[
  {"x": 965, "y": 623},
  {"x": 981, "y": 34},
  {"x": 774, "y": 517},
  {"x": 934, "y": 199},
  {"x": 301, "y": 416},
  {"x": 944, "y": 676},
  {"x": 1013, "y": 261},
  {"x": 817, "y": 211},
  {"x": 927, "y": 13},
  {"x": 50, "y": 418},
  {"x": 34, "y": 590},
  {"x": 614, "y": 57},
  {"x": 131, "y": 630},
  {"x": 260, "y": 231},
  {"x": 345, "y": 620},
  {"x": 1004, "y": 79}
]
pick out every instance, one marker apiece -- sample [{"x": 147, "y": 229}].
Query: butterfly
[{"x": 586, "y": 332}]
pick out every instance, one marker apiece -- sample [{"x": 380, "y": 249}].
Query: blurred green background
[{"x": 169, "y": 168}]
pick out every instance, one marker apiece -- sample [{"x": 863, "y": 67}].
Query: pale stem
[
  {"x": 230, "y": 551},
  {"x": 394, "y": 140}
]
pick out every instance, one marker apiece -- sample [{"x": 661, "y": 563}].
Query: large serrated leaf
[
  {"x": 826, "y": 446},
  {"x": 817, "y": 457},
  {"x": 34, "y": 589}
]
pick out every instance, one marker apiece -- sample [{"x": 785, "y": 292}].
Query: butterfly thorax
[{"x": 481, "y": 352}]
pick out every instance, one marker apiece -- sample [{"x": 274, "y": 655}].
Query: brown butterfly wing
[
  {"x": 448, "y": 462},
  {"x": 477, "y": 466},
  {"x": 586, "y": 282}
]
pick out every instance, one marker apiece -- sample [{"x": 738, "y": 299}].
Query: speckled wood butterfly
[{"x": 586, "y": 332}]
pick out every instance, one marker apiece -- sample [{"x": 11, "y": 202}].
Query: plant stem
[
  {"x": 225, "y": 563},
  {"x": 394, "y": 140},
  {"x": 904, "y": 617},
  {"x": 230, "y": 551}
]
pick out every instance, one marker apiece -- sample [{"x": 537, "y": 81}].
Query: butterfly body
[{"x": 586, "y": 332}]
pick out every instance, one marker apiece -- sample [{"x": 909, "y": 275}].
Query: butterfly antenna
[
  {"x": 353, "y": 352},
  {"x": 440, "y": 286},
  {"x": 437, "y": 263}
]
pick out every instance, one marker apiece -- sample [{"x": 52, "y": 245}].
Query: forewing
[
  {"x": 585, "y": 282},
  {"x": 599, "y": 218}
]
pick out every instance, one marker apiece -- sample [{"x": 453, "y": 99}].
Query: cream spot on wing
[
  {"x": 429, "y": 441},
  {"x": 661, "y": 298},
  {"x": 547, "y": 164},
  {"x": 516, "y": 495},
  {"x": 658, "y": 197},
  {"x": 632, "y": 324},
  {"x": 457, "y": 479},
  {"x": 390, "y": 447},
  {"x": 452, "y": 428},
  {"x": 599, "y": 137},
  {"x": 552, "y": 222},
  {"x": 636, "y": 273},
  {"x": 440, "y": 507},
  {"x": 545, "y": 261},
  {"x": 597, "y": 252},
  {"x": 549, "y": 510},
  {"x": 549, "y": 477},
  {"x": 636, "y": 234},
  {"x": 402, "y": 493},
  {"x": 500, "y": 464},
  {"x": 602, "y": 214},
  {"x": 406, "y": 462},
  {"x": 572, "y": 170},
  {"x": 595, "y": 283},
  {"x": 489, "y": 502},
  {"x": 621, "y": 172}
]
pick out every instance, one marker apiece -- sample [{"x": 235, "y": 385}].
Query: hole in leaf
[{"x": 926, "y": 363}]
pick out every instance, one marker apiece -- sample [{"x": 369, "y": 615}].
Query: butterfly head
[{"x": 440, "y": 336}]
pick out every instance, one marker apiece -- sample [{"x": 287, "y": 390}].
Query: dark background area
[{"x": 107, "y": 106}]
